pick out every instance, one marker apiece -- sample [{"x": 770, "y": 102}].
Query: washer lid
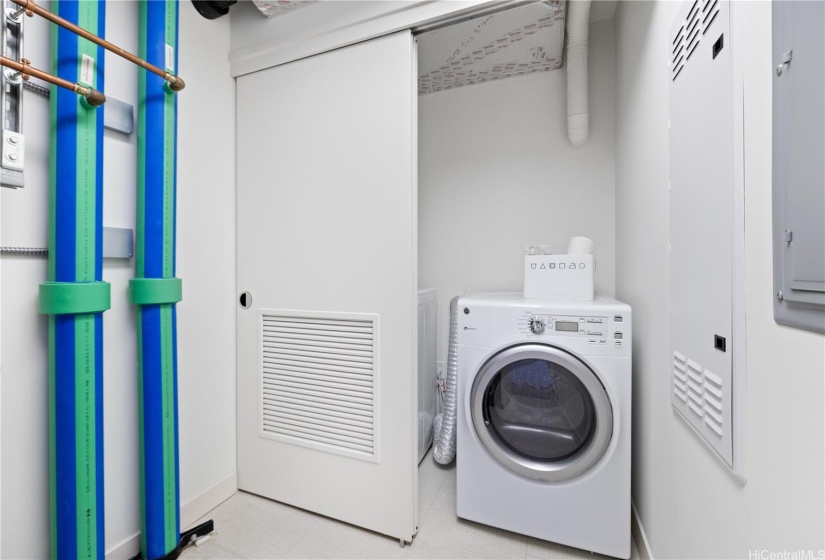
[{"x": 541, "y": 412}]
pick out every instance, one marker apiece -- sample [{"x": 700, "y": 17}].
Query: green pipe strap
[
  {"x": 155, "y": 291},
  {"x": 74, "y": 298}
]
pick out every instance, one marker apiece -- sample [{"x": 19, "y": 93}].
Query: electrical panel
[{"x": 798, "y": 164}]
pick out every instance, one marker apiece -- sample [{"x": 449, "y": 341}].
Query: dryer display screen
[{"x": 567, "y": 326}]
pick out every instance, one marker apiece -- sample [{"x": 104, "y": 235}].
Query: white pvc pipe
[{"x": 578, "y": 115}]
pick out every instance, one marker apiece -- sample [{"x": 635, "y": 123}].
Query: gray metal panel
[
  {"x": 798, "y": 164},
  {"x": 117, "y": 243},
  {"x": 118, "y": 116}
]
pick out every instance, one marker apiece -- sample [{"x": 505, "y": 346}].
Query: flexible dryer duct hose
[
  {"x": 155, "y": 289},
  {"x": 578, "y": 112},
  {"x": 74, "y": 296},
  {"x": 444, "y": 424}
]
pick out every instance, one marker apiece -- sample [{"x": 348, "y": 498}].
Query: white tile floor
[{"x": 247, "y": 526}]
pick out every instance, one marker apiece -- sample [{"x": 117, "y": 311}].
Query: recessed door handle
[{"x": 245, "y": 300}]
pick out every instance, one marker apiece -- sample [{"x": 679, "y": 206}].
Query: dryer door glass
[{"x": 540, "y": 410}]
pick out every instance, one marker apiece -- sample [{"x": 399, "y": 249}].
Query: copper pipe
[
  {"x": 93, "y": 97},
  {"x": 176, "y": 83}
]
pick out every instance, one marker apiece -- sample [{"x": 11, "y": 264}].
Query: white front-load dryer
[{"x": 544, "y": 393}]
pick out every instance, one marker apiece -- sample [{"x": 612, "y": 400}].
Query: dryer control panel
[
  {"x": 597, "y": 330},
  {"x": 602, "y": 327}
]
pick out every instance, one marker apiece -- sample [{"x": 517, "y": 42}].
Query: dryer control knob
[{"x": 536, "y": 325}]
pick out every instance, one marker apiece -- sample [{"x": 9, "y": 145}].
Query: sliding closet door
[{"x": 327, "y": 282}]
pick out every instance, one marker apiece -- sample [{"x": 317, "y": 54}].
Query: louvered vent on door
[
  {"x": 701, "y": 391},
  {"x": 319, "y": 381},
  {"x": 686, "y": 40}
]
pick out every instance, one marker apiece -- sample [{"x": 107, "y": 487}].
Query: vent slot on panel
[
  {"x": 686, "y": 40},
  {"x": 680, "y": 376},
  {"x": 694, "y": 383},
  {"x": 678, "y": 52},
  {"x": 711, "y": 15},
  {"x": 713, "y": 399},
  {"x": 318, "y": 381}
]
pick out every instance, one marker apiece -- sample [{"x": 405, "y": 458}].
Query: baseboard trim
[
  {"x": 126, "y": 549},
  {"x": 190, "y": 512},
  {"x": 639, "y": 535},
  {"x": 202, "y": 504}
]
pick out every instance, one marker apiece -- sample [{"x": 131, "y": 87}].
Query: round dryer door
[{"x": 541, "y": 412}]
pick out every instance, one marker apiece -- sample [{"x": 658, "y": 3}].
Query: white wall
[
  {"x": 206, "y": 262},
  {"x": 496, "y": 172},
  {"x": 689, "y": 505},
  {"x": 206, "y": 257}
]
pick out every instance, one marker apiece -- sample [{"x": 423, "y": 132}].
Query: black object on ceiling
[{"x": 213, "y": 9}]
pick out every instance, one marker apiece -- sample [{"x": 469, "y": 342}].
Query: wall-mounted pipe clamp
[
  {"x": 74, "y": 298},
  {"x": 155, "y": 291}
]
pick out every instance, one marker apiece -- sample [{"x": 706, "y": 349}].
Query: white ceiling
[{"x": 492, "y": 47}]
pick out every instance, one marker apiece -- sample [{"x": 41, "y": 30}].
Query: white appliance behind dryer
[{"x": 427, "y": 369}]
